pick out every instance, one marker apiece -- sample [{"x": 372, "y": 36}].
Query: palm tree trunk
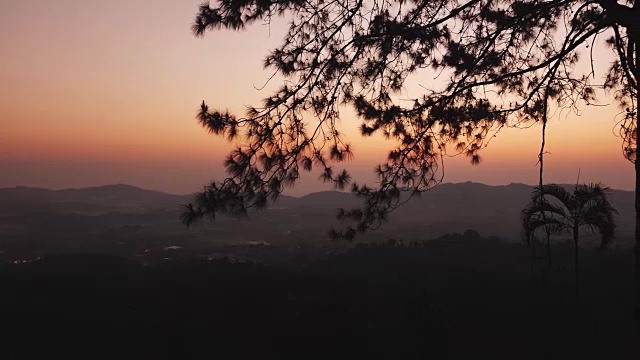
[
  {"x": 548, "y": 249},
  {"x": 533, "y": 260},
  {"x": 575, "y": 262}
]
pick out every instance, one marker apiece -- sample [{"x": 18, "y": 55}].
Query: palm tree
[{"x": 559, "y": 211}]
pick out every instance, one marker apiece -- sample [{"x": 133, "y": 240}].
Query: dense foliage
[{"x": 498, "y": 63}]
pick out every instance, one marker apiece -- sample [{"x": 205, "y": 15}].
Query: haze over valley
[{"x": 129, "y": 221}]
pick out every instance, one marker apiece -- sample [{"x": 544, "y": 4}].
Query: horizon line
[{"x": 283, "y": 193}]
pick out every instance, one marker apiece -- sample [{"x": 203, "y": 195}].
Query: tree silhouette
[
  {"x": 498, "y": 63},
  {"x": 566, "y": 212},
  {"x": 471, "y": 234}
]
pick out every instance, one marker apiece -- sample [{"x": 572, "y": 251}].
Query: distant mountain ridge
[
  {"x": 125, "y": 189},
  {"x": 91, "y": 200},
  {"x": 103, "y": 188},
  {"x": 492, "y": 210},
  {"x": 127, "y": 219}
]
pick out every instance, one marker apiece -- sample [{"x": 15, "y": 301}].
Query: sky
[{"x": 96, "y": 92}]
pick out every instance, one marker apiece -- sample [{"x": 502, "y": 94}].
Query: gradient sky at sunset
[{"x": 100, "y": 92}]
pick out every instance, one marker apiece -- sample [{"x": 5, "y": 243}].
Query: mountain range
[{"x": 130, "y": 218}]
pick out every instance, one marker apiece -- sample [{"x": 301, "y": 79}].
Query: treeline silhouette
[{"x": 459, "y": 297}]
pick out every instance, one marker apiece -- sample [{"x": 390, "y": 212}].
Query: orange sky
[{"x": 97, "y": 92}]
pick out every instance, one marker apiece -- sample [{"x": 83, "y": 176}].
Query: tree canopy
[
  {"x": 499, "y": 63},
  {"x": 565, "y": 211}
]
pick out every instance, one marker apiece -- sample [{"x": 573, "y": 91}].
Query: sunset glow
[{"x": 100, "y": 92}]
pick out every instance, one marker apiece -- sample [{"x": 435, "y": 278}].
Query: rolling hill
[{"x": 126, "y": 220}]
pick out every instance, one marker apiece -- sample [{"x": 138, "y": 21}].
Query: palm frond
[
  {"x": 539, "y": 206},
  {"x": 600, "y": 217},
  {"x": 554, "y": 226},
  {"x": 558, "y": 192},
  {"x": 587, "y": 205},
  {"x": 543, "y": 214}
]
